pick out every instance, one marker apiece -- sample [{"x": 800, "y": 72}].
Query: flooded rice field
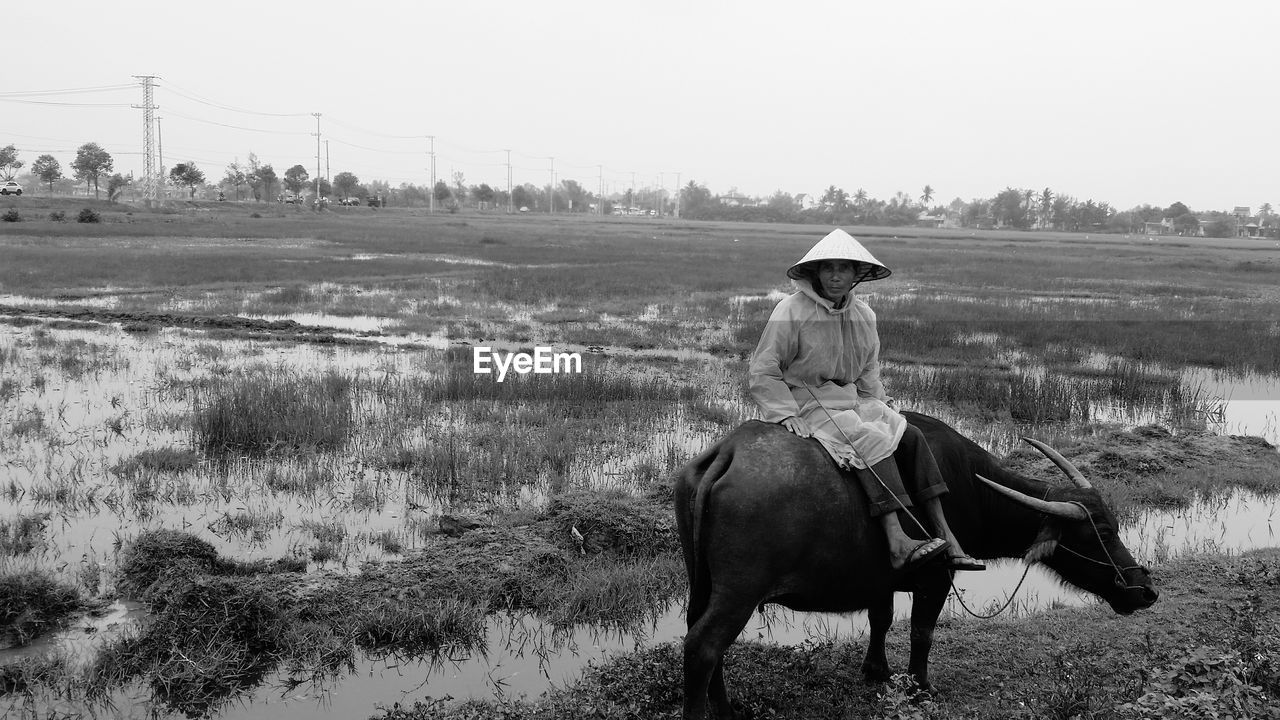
[{"x": 108, "y": 430}]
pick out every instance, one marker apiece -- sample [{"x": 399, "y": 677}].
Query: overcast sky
[{"x": 1124, "y": 102}]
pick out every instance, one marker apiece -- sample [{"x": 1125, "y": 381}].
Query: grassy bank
[{"x": 1209, "y": 648}]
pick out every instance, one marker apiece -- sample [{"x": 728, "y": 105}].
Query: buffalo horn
[
  {"x": 1057, "y": 508},
  {"x": 1063, "y": 464}
]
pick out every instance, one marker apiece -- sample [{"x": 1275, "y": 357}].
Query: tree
[
  {"x": 251, "y": 177},
  {"x": 977, "y": 213},
  {"x": 1186, "y": 224},
  {"x": 783, "y": 203},
  {"x": 48, "y": 169},
  {"x": 187, "y": 174},
  {"x": 412, "y": 194},
  {"x": 459, "y": 187},
  {"x": 835, "y": 199},
  {"x": 345, "y": 184},
  {"x": 579, "y": 200},
  {"x": 1177, "y": 209},
  {"x": 694, "y": 199},
  {"x": 269, "y": 180},
  {"x": 1046, "y": 206},
  {"x": 1029, "y": 197},
  {"x": 295, "y": 179},
  {"x": 9, "y": 162},
  {"x": 91, "y": 162},
  {"x": 441, "y": 191},
  {"x": 1008, "y": 208},
  {"x": 926, "y": 195},
  {"x": 235, "y": 177},
  {"x": 483, "y": 193},
  {"x": 115, "y": 185},
  {"x": 521, "y": 197}
]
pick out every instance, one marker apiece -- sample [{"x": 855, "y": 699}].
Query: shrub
[
  {"x": 88, "y": 215},
  {"x": 11, "y": 215},
  {"x": 57, "y": 216}
]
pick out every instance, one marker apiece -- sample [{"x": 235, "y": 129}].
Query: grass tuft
[
  {"x": 31, "y": 603},
  {"x": 264, "y": 412},
  {"x": 164, "y": 460}
]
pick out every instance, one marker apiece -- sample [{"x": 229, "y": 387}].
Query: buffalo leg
[
  {"x": 926, "y": 605},
  {"x": 704, "y": 646},
  {"x": 875, "y": 667}
]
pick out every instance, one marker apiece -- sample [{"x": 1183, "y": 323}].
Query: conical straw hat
[{"x": 840, "y": 245}]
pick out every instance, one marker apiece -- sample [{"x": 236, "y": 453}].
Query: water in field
[
  {"x": 526, "y": 658},
  {"x": 77, "y": 405}
]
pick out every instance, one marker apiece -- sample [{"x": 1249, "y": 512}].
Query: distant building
[
  {"x": 736, "y": 200},
  {"x": 1164, "y": 227}
]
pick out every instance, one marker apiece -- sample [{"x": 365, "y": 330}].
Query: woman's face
[{"x": 835, "y": 278}]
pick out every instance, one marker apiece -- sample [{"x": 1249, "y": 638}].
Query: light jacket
[{"x": 835, "y": 352}]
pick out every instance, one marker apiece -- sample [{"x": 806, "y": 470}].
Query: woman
[{"x": 816, "y": 371}]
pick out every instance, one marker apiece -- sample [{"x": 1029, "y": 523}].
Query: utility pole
[
  {"x": 327, "y": 178},
  {"x": 431, "y": 192},
  {"x": 148, "y": 146},
  {"x": 317, "y": 116},
  {"x": 677, "y": 195},
  {"x": 160, "y": 147},
  {"x": 551, "y": 189},
  {"x": 510, "y": 201},
  {"x": 600, "y": 182}
]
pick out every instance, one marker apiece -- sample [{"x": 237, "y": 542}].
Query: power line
[
  {"x": 66, "y": 91},
  {"x": 377, "y": 150},
  {"x": 192, "y": 96},
  {"x": 379, "y": 134},
  {"x": 69, "y": 104},
  {"x": 238, "y": 127}
]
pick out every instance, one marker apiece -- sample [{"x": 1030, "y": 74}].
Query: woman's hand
[{"x": 798, "y": 426}]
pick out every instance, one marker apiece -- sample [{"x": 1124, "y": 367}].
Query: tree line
[
  {"x": 1025, "y": 209},
  {"x": 1010, "y": 208}
]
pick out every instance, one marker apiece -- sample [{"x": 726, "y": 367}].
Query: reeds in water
[{"x": 268, "y": 411}]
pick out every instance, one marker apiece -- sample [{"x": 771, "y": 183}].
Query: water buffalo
[{"x": 765, "y": 516}]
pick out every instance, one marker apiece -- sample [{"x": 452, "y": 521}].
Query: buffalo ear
[{"x": 1044, "y": 544}]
